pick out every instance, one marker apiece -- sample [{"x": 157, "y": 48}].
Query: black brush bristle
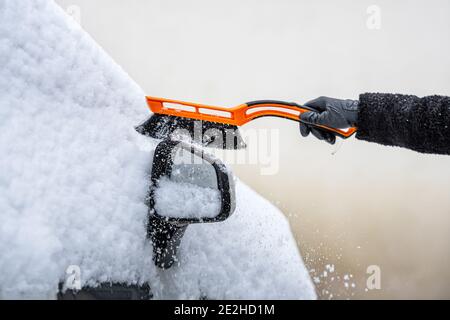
[{"x": 206, "y": 133}]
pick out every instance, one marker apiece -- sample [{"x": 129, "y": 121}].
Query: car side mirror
[{"x": 187, "y": 186}]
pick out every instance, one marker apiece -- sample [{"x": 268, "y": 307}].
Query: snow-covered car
[{"x": 74, "y": 182}]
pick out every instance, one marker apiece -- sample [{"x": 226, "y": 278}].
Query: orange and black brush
[{"x": 170, "y": 115}]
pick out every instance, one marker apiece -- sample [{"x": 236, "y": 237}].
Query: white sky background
[{"x": 365, "y": 205}]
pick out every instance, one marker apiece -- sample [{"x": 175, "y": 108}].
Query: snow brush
[{"x": 170, "y": 115}]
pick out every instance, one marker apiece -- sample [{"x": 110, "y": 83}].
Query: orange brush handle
[{"x": 238, "y": 115}]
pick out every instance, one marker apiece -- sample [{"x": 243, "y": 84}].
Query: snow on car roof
[{"x": 74, "y": 175}]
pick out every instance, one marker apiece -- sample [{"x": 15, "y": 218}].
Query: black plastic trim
[
  {"x": 162, "y": 166},
  {"x": 166, "y": 233},
  {"x": 106, "y": 291},
  {"x": 286, "y": 103}
]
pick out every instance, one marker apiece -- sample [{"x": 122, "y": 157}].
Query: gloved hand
[{"x": 335, "y": 113}]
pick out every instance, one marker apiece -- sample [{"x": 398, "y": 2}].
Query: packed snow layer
[
  {"x": 74, "y": 175},
  {"x": 186, "y": 200}
]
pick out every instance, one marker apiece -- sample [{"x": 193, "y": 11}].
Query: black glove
[{"x": 335, "y": 113}]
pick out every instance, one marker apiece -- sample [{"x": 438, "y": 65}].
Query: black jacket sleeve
[{"x": 420, "y": 124}]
